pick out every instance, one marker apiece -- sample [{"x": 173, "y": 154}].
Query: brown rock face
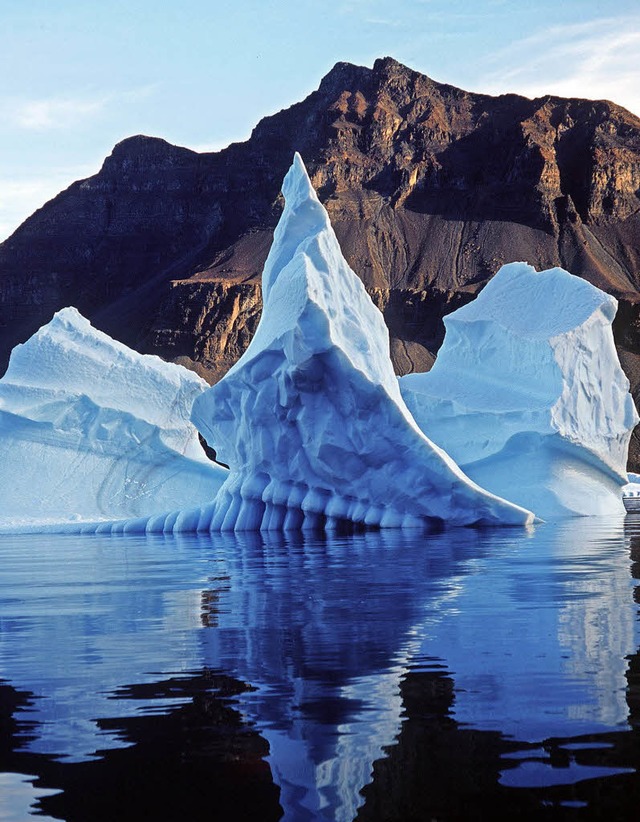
[{"x": 430, "y": 189}]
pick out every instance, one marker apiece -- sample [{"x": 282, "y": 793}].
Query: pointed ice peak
[
  {"x": 310, "y": 418},
  {"x": 67, "y": 318},
  {"x": 303, "y": 219},
  {"x": 69, "y": 328},
  {"x": 296, "y": 186},
  {"x": 70, "y": 315},
  {"x": 306, "y": 270},
  {"x": 69, "y": 353}
]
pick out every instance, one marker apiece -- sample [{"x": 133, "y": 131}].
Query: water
[{"x": 380, "y": 676}]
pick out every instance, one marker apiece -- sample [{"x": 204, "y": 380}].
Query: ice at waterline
[
  {"x": 527, "y": 393},
  {"x": 311, "y": 419},
  {"x": 91, "y": 430}
]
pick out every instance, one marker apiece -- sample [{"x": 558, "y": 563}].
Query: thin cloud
[
  {"x": 387, "y": 22},
  {"x": 598, "y": 60},
  {"x": 55, "y": 113}
]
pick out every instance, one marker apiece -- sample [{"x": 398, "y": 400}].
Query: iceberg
[
  {"x": 310, "y": 419},
  {"x": 91, "y": 430},
  {"x": 525, "y": 410},
  {"x": 527, "y": 394}
]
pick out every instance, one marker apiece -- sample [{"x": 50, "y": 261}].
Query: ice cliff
[
  {"x": 310, "y": 419},
  {"x": 91, "y": 430},
  {"x": 527, "y": 394}
]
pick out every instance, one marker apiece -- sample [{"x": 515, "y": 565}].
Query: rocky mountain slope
[{"x": 430, "y": 189}]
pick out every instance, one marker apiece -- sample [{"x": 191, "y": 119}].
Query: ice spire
[{"x": 310, "y": 419}]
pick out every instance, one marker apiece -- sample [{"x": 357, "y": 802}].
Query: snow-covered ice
[
  {"x": 310, "y": 419},
  {"x": 91, "y": 430},
  {"x": 527, "y": 394}
]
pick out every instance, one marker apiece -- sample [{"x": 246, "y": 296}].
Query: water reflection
[
  {"x": 440, "y": 769},
  {"x": 197, "y": 760},
  {"x": 464, "y": 653},
  {"x": 539, "y": 643},
  {"x": 325, "y": 627}
]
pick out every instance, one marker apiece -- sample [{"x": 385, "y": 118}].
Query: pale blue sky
[{"x": 77, "y": 77}]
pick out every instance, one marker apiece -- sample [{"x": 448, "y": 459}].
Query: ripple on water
[{"x": 331, "y": 676}]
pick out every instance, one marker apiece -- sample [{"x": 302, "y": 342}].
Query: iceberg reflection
[{"x": 340, "y": 640}]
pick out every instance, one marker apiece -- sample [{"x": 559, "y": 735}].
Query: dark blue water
[{"x": 392, "y": 675}]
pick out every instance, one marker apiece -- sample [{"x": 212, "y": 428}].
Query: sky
[{"x": 78, "y": 77}]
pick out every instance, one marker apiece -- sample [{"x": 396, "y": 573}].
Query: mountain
[{"x": 430, "y": 190}]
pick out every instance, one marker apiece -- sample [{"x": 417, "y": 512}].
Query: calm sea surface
[{"x": 381, "y": 676}]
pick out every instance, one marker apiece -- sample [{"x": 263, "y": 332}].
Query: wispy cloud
[
  {"x": 55, "y": 113},
  {"x": 387, "y": 22},
  {"x": 597, "y": 59},
  {"x": 62, "y": 112}
]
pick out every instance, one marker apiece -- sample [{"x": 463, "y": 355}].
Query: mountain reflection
[
  {"x": 463, "y": 664},
  {"x": 196, "y": 761}
]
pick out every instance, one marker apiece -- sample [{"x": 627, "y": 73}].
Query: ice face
[
  {"x": 310, "y": 419},
  {"x": 91, "y": 430},
  {"x": 528, "y": 396}
]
